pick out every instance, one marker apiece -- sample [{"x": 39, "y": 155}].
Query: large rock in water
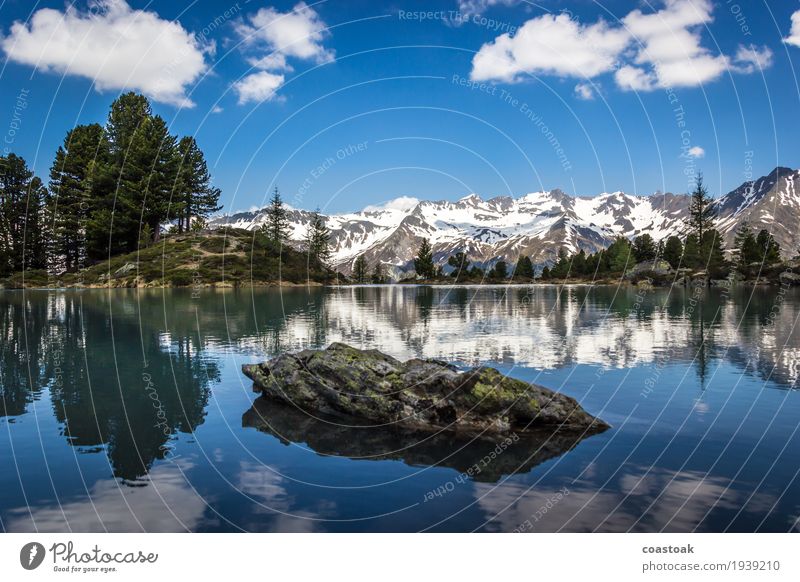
[{"x": 378, "y": 390}]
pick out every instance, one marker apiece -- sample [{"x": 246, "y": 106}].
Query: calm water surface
[{"x": 125, "y": 410}]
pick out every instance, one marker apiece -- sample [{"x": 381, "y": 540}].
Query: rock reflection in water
[{"x": 486, "y": 459}]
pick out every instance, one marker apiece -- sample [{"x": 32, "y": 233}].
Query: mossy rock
[{"x": 375, "y": 388}]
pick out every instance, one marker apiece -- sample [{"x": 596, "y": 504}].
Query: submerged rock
[
  {"x": 373, "y": 388},
  {"x": 485, "y": 459}
]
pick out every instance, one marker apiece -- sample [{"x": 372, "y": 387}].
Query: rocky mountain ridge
[{"x": 539, "y": 223}]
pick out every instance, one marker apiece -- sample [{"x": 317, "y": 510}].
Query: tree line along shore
[
  {"x": 695, "y": 256},
  {"x": 127, "y": 203}
]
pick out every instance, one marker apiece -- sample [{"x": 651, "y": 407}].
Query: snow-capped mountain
[{"x": 537, "y": 224}]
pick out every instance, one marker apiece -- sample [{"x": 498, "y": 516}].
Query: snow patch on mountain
[{"x": 535, "y": 224}]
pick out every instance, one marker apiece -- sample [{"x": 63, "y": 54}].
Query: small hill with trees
[{"x": 126, "y": 204}]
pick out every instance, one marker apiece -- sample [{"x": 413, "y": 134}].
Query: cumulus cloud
[
  {"x": 274, "y": 37},
  {"x": 258, "y": 87},
  {"x": 696, "y": 152},
  {"x": 298, "y": 33},
  {"x": 584, "y": 91},
  {"x": 551, "y": 44},
  {"x": 648, "y": 51},
  {"x": 794, "y": 33},
  {"x": 752, "y": 58},
  {"x": 115, "y": 46},
  {"x": 669, "y": 51},
  {"x": 634, "y": 79},
  {"x": 401, "y": 203}
]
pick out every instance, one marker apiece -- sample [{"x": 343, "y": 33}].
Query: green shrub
[{"x": 181, "y": 278}]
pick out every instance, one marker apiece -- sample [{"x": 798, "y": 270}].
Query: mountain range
[{"x": 537, "y": 224}]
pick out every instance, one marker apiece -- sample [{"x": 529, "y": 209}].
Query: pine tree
[
  {"x": 113, "y": 226},
  {"x": 423, "y": 262},
  {"x": 644, "y": 248},
  {"x": 139, "y": 180},
  {"x": 769, "y": 250},
  {"x": 620, "y": 255},
  {"x": 746, "y": 247},
  {"x": 673, "y": 252},
  {"x": 578, "y": 266},
  {"x": 712, "y": 252},
  {"x": 546, "y": 273},
  {"x": 145, "y": 236},
  {"x": 701, "y": 211},
  {"x": 703, "y": 248},
  {"x": 379, "y": 274},
  {"x": 691, "y": 253},
  {"x": 476, "y": 272},
  {"x": 500, "y": 270},
  {"x": 36, "y": 239},
  {"x": 561, "y": 267},
  {"x": 460, "y": 264},
  {"x": 127, "y": 114},
  {"x": 742, "y": 233},
  {"x": 194, "y": 197},
  {"x": 318, "y": 241},
  {"x": 524, "y": 268},
  {"x": 360, "y": 270},
  {"x": 276, "y": 227},
  {"x": 20, "y": 216},
  {"x": 156, "y": 154},
  {"x": 74, "y": 194}
]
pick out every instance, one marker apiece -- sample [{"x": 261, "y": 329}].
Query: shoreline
[{"x": 316, "y": 284}]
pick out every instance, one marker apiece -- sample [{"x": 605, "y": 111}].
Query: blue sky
[{"x": 344, "y": 104}]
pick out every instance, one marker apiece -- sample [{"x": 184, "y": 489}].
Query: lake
[{"x": 126, "y": 410}]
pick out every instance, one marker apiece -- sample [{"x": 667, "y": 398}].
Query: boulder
[{"x": 373, "y": 388}]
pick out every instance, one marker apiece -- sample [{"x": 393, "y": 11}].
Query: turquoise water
[{"x": 125, "y": 410}]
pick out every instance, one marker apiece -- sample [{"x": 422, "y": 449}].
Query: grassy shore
[
  {"x": 227, "y": 258},
  {"x": 235, "y": 257}
]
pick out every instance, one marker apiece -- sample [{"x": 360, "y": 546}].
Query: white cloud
[
  {"x": 634, "y": 79},
  {"x": 584, "y": 91},
  {"x": 469, "y": 8},
  {"x": 696, "y": 152},
  {"x": 551, "y": 44},
  {"x": 166, "y": 504},
  {"x": 648, "y": 51},
  {"x": 794, "y": 34},
  {"x": 258, "y": 87},
  {"x": 669, "y": 52},
  {"x": 752, "y": 58},
  {"x": 401, "y": 203},
  {"x": 297, "y": 34},
  {"x": 115, "y": 46},
  {"x": 271, "y": 62}
]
